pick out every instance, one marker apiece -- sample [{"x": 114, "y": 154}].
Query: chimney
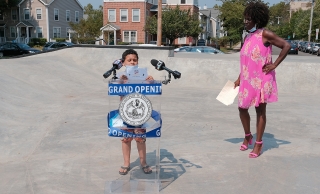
[{"x": 205, "y": 6}]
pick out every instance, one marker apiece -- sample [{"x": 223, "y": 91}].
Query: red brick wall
[
  {"x": 131, "y": 26},
  {"x": 135, "y": 26}
]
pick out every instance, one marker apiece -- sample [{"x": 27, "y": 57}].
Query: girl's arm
[{"x": 270, "y": 38}]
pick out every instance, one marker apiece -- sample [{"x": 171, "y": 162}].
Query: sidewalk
[{"x": 236, "y": 48}]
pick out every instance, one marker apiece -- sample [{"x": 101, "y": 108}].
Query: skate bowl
[{"x": 54, "y": 135}]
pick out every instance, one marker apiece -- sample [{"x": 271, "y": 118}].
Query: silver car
[
  {"x": 204, "y": 49},
  {"x": 315, "y": 48}
]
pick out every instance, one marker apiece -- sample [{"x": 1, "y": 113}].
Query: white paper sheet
[
  {"x": 137, "y": 74},
  {"x": 228, "y": 93}
]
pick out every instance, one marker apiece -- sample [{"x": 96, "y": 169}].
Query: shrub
[
  {"x": 123, "y": 43},
  {"x": 43, "y": 41},
  {"x": 38, "y": 41},
  {"x": 31, "y": 44},
  {"x": 60, "y": 39}
]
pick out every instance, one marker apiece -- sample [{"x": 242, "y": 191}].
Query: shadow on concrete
[
  {"x": 171, "y": 168},
  {"x": 269, "y": 141}
]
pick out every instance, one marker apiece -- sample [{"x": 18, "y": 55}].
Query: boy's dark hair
[
  {"x": 258, "y": 12},
  {"x": 129, "y": 52}
]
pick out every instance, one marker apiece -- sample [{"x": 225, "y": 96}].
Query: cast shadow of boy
[{"x": 170, "y": 167}]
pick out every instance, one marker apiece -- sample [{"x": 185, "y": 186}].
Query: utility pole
[
  {"x": 278, "y": 19},
  {"x": 159, "y": 31},
  {"x": 309, "y": 31}
]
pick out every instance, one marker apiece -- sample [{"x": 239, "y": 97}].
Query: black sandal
[
  {"x": 146, "y": 167},
  {"x": 124, "y": 168}
]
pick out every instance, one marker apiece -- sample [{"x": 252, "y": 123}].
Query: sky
[{"x": 209, "y": 3}]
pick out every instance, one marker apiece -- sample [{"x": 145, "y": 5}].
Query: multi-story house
[
  {"x": 124, "y": 20},
  {"x": 39, "y": 19},
  {"x": 210, "y": 22},
  {"x": 296, "y": 5}
]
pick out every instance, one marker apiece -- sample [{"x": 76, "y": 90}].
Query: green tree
[
  {"x": 280, "y": 13},
  {"x": 194, "y": 28},
  {"x": 88, "y": 29},
  {"x": 7, "y": 4},
  {"x": 176, "y": 23},
  {"x": 231, "y": 13},
  {"x": 298, "y": 24}
]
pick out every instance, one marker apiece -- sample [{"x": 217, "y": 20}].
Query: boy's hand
[
  {"x": 124, "y": 77},
  {"x": 149, "y": 78}
]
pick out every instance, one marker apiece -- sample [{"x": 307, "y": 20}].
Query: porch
[
  {"x": 110, "y": 32},
  {"x": 23, "y": 32}
]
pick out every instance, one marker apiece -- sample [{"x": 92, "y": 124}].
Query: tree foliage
[
  {"x": 298, "y": 24},
  {"x": 7, "y": 4},
  {"x": 88, "y": 29},
  {"x": 231, "y": 13},
  {"x": 176, "y": 23}
]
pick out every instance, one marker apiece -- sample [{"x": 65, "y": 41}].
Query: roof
[
  {"x": 205, "y": 12},
  {"x": 48, "y": 2},
  {"x": 214, "y": 12},
  {"x": 24, "y": 24},
  {"x": 110, "y": 27}
]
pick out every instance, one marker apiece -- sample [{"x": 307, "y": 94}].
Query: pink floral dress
[{"x": 256, "y": 87}]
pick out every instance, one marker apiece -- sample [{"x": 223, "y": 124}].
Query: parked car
[
  {"x": 315, "y": 47},
  {"x": 201, "y": 42},
  {"x": 14, "y": 49},
  {"x": 204, "y": 49},
  {"x": 294, "y": 49},
  {"x": 301, "y": 44},
  {"x": 306, "y": 47},
  {"x": 55, "y": 45},
  {"x": 181, "y": 49},
  {"x": 318, "y": 52}
]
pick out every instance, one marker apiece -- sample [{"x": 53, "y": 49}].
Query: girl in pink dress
[{"x": 257, "y": 81}]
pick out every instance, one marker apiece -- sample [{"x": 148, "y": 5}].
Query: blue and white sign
[
  {"x": 142, "y": 88},
  {"x": 115, "y": 124}
]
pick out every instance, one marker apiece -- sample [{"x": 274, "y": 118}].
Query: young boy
[{"x": 130, "y": 59}]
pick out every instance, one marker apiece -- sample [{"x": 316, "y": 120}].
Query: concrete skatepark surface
[{"x": 54, "y": 136}]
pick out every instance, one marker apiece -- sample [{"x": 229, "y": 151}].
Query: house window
[
  {"x": 56, "y": 32},
  {"x": 67, "y": 30},
  {"x": 77, "y": 16},
  {"x": 1, "y": 17},
  {"x": 123, "y": 15},
  {"x": 129, "y": 36},
  {"x": 182, "y": 40},
  {"x": 183, "y": 1},
  {"x": 39, "y": 13},
  {"x": 56, "y": 14},
  {"x": 1, "y": 32},
  {"x": 112, "y": 15},
  {"x": 39, "y": 32},
  {"x": 26, "y": 14},
  {"x": 68, "y": 15},
  {"x": 13, "y": 32},
  {"x": 136, "y": 15},
  {"x": 14, "y": 14}
]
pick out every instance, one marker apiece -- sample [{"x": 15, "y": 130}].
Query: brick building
[{"x": 124, "y": 20}]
